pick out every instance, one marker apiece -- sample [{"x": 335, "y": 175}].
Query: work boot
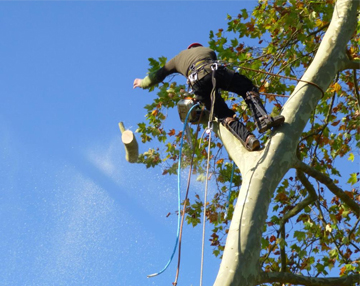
[
  {"x": 266, "y": 122},
  {"x": 252, "y": 143},
  {"x": 239, "y": 130},
  {"x": 262, "y": 119}
]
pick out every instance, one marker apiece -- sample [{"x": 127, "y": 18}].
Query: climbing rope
[
  {"x": 285, "y": 77},
  {"x": 179, "y": 196},
  {"x": 185, "y": 201},
  {"x": 208, "y": 130},
  {"x": 204, "y": 213}
]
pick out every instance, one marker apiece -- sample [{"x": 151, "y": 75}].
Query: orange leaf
[
  {"x": 172, "y": 132},
  {"x": 262, "y": 89},
  {"x": 342, "y": 270},
  {"x": 220, "y": 161},
  {"x": 336, "y": 87}
]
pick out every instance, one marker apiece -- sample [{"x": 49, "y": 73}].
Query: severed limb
[{"x": 130, "y": 143}]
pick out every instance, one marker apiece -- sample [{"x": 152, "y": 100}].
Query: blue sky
[{"x": 72, "y": 210}]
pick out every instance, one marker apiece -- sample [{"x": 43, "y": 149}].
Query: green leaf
[
  {"x": 353, "y": 179},
  {"x": 244, "y": 14},
  {"x": 334, "y": 253},
  {"x": 299, "y": 235}
]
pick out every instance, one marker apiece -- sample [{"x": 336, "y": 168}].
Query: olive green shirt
[{"x": 179, "y": 64}]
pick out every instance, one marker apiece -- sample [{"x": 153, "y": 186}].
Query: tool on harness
[{"x": 186, "y": 107}]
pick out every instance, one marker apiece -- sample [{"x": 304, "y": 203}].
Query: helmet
[{"x": 194, "y": 45}]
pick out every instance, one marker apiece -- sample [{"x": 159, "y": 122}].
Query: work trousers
[{"x": 227, "y": 80}]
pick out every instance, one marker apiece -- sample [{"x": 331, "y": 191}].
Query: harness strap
[
  {"x": 214, "y": 68},
  {"x": 198, "y": 65}
]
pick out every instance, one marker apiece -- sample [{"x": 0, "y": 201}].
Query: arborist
[{"x": 199, "y": 65}]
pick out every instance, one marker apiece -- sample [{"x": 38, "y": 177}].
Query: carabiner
[{"x": 214, "y": 66}]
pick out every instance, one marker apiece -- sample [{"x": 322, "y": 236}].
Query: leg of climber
[
  {"x": 239, "y": 130},
  {"x": 228, "y": 118},
  {"x": 240, "y": 84},
  {"x": 225, "y": 115},
  {"x": 262, "y": 119}
]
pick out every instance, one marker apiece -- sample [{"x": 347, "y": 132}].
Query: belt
[{"x": 198, "y": 65}]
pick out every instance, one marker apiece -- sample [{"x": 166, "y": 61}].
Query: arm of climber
[{"x": 158, "y": 76}]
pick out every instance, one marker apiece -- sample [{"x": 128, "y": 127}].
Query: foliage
[{"x": 324, "y": 234}]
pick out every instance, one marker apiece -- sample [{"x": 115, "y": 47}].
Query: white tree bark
[{"x": 263, "y": 170}]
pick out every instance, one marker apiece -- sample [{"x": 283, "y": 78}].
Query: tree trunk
[{"x": 263, "y": 170}]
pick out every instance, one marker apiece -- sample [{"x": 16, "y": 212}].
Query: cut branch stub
[{"x": 130, "y": 144}]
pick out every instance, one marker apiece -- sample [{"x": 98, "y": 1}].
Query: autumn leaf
[
  {"x": 171, "y": 132},
  {"x": 220, "y": 161}
]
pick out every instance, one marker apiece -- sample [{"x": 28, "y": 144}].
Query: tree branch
[
  {"x": 294, "y": 211},
  {"x": 300, "y": 206},
  {"x": 286, "y": 277},
  {"x": 351, "y": 64},
  {"x": 282, "y": 250},
  {"x": 356, "y": 88},
  {"x": 329, "y": 183}
]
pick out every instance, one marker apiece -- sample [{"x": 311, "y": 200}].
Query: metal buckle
[
  {"x": 193, "y": 77},
  {"x": 214, "y": 66}
]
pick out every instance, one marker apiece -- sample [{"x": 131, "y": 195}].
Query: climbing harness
[{"x": 179, "y": 197}]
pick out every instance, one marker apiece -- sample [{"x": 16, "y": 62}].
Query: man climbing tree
[
  {"x": 206, "y": 78},
  {"x": 297, "y": 214}
]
